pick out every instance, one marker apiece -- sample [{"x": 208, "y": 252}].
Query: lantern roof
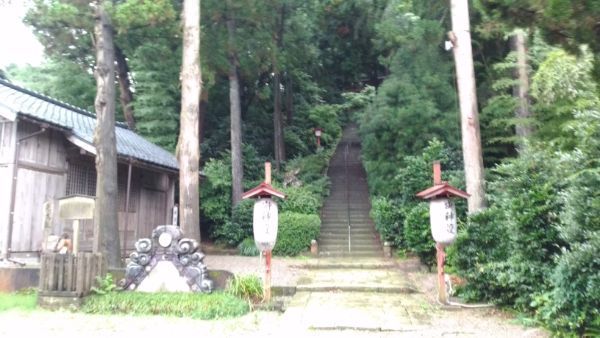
[
  {"x": 442, "y": 190},
  {"x": 263, "y": 190}
]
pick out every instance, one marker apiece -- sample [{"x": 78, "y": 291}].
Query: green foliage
[
  {"x": 157, "y": 92},
  {"x": 18, "y": 301},
  {"x": 215, "y": 191},
  {"x": 525, "y": 207},
  {"x": 399, "y": 216},
  {"x": 247, "y": 287},
  {"x": 194, "y": 305},
  {"x": 563, "y": 85},
  {"x": 417, "y": 233},
  {"x": 416, "y": 102},
  {"x": 480, "y": 244},
  {"x": 389, "y": 220},
  {"x": 573, "y": 303},
  {"x": 233, "y": 231},
  {"x": 326, "y": 117},
  {"x": 302, "y": 199},
  {"x": 295, "y": 233},
  {"x": 58, "y": 78},
  {"x": 105, "y": 284},
  {"x": 247, "y": 247}
]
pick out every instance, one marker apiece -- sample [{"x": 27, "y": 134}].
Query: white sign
[
  {"x": 442, "y": 215},
  {"x": 265, "y": 222}
]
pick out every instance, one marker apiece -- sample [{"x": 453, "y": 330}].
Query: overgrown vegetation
[
  {"x": 194, "y": 305},
  {"x": 247, "y": 287}
]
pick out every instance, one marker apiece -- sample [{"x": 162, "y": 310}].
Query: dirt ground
[{"x": 437, "y": 321}]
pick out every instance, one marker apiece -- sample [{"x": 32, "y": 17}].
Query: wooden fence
[{"x": 66, "y": 275}]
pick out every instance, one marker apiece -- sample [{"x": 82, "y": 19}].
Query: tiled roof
[{"x": 80, "y": 123}]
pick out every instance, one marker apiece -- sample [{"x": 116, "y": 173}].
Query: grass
[
  {"x": 198, "y": 306},
  {"x": 24, "y": 300},
  {"x": 247, "y": 287}
]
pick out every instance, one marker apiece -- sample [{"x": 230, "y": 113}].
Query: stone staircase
[{"x": 347, "y": 229}]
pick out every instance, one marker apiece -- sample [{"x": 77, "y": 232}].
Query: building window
[{"x": 81, "y": 179}]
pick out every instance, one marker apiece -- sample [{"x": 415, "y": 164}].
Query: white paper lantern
[
  {"x": 442, "y": 215},
  {"x": 264, "y": 223}
]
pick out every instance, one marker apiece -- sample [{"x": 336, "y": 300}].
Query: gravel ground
[{"x": 284, "y": 271}]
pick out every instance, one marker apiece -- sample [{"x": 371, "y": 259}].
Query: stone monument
[{"x": 167, "y": 262}]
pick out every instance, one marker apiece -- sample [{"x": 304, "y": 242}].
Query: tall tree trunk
[
  {"x": 106, "y": 227},
  {"x": 125, "y": 87},
  {"x": 189, "y": 145},
  {"x": 279, "y": 146},
  {"x": 289, "y": 98},
  {"x": 521, "y": 89},
  {"x": 465, "y": 77},
  {"x": 278, "y": 120},
  {"x": 202, "y": 113},
  {"x": 237, "y": 173}
]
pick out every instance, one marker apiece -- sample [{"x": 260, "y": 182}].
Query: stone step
[
  {"x": 344, "y": 224},
  {"x": 344, "y": 231},
  {"x": 344, "y": 238},
  {"x": 353, "y": 234},
  {"x": 359, "y": 246},
  {"x": 353, "y": 254},
  {"x": 335, "y": 230},
  {"x": 344, "y": 219}
]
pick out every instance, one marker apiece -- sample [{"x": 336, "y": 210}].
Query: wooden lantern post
[
  {"x": 442, "y": 215},
  {"x": 265, "y": 223},
  {"x": 318, "y": 133}
]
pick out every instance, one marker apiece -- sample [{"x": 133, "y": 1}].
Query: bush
[
  {"x": 295, "y": 233},
  {"x": 233, "y": 231},
  {"x": 573, "y": 304},
  {"x": 481, "y": 242},
  {"x": 509, "y": 250},
  {"x": 417, "y": 233},
  {"x": 246, "y": 287},
  {"x": 248, "y": 247},
  {"x": 215, "y": 192},
  {"x": 194, "y": 305},
  {"x": 389, "y": 220},
  {"x": 302, "y": 200},
  {"x": 310, "y": 168}
]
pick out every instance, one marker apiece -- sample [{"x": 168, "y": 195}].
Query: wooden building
[{"x": 47, "y": 152}]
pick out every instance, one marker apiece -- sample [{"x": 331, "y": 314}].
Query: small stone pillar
[
  {"x": 314, "y": 247},
  {"x": 387, "y": 249}
]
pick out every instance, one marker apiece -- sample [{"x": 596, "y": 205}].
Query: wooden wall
[
  {"x": 41, "y": 177},
  {"x": 7, "y": 151},
  {"x": 151, "y": 201}
]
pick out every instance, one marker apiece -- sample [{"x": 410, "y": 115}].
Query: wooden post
[
  {"x": 268, "y": 172},
  {"x": 437, "y": 173},
  {"x": 75, "y": 237},
  {"x": 441, "y": 257},
  {"x": 267, "y": 282}
]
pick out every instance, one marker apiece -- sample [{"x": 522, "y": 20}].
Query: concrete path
[{"x": 369, "y": 297}]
